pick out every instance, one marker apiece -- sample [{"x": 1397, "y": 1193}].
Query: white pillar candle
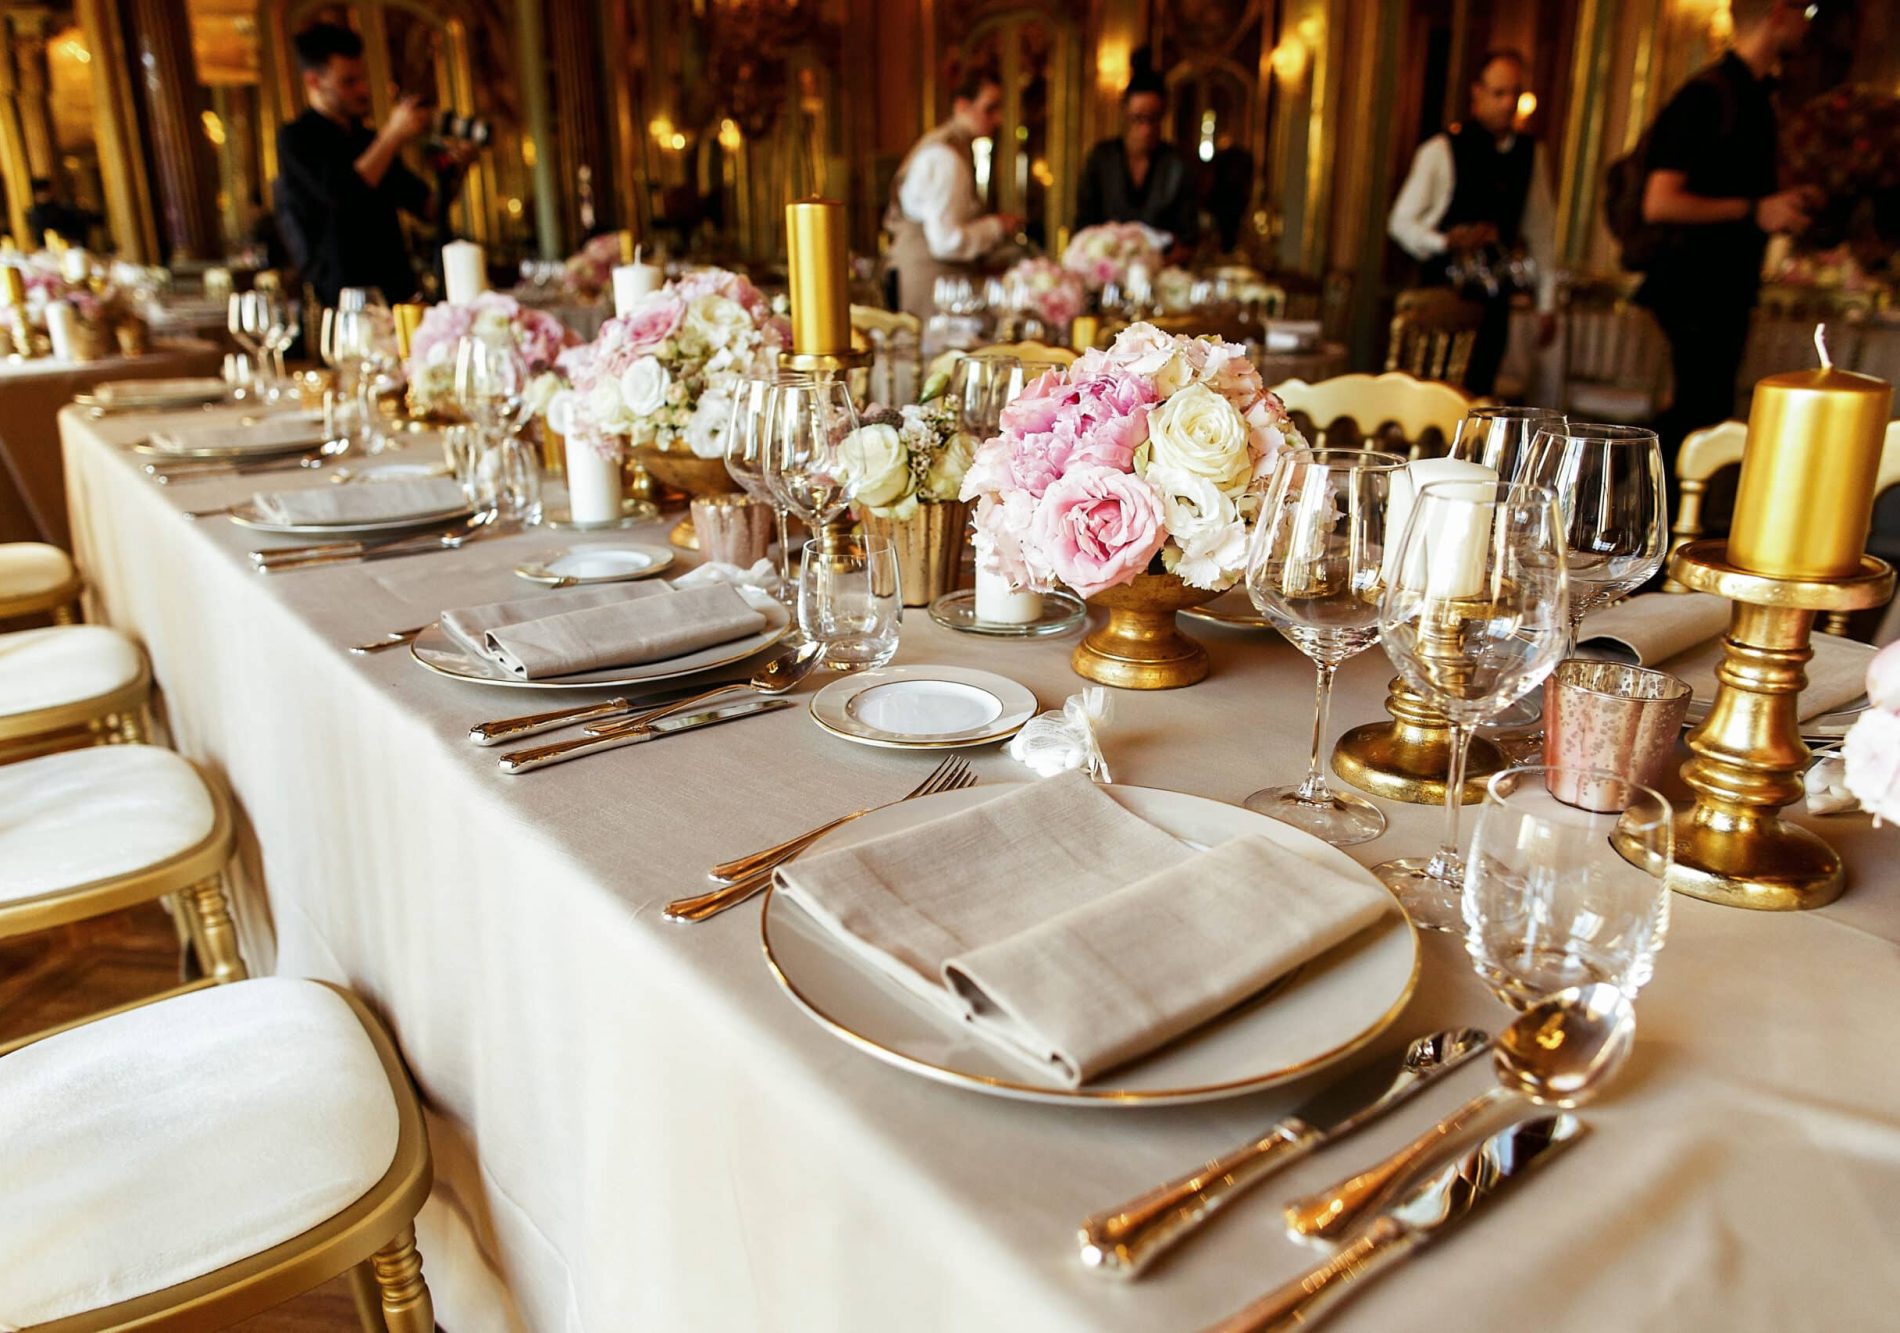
[
  {"x": 464, "y": 272},
  {"x": 999, "y": 604},
  {"x": 75, "y": 265},
  {"x": 633, "y": 281},
  {"x": 593, "y": 484},
  {"x": 62, "y": 326},
  {"x": 1460, "y": 543},
  {"x": 1405, "y": 487}
]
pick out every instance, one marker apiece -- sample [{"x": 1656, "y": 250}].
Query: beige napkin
[
  {"x": 366, "y": 503},
  {"x": 275, "y": 433},
  {"x": 1681, "y": 633},
  {"x": 630, "y": 632},
  {"x": 470, "y": 625},
  {"x": 1070, "y": 933}
]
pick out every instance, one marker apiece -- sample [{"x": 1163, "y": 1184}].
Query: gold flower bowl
[
  {"x": 685, "y": 471},
  {"x": 1140, "y": 647}
]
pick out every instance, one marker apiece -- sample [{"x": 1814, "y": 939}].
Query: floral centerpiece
[
  {"x": 1041, "y": 287},
  {"x": 589, "y": 271},
  {"x": 104, "y": 309},
  {"x": 1106, "y": 252},
  {"x": 1871, "y": 752},
  {"x": 907, "y": 467},
  {"x": 1125, "y": 477},
  {"x": 538, "y": 339},
  {"x": 1845, "y": 144}
]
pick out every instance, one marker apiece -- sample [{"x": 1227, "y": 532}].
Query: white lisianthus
[
  {"x": 719, "y": 323},
  {"x": 706, "y": 428},
  {"x": 1199, "y": 432},
  {"x": 944, "y": 480},
  {"x": 562, "y": 408},
  {"x": 606, "y": 409},
  {"x": 543, "y": 389},
  {"x": 1208, "y": 542},
  {"x": 875, "y": 457},
  {"x": 643, "y": 387}
]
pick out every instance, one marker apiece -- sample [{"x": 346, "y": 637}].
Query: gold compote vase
[
  {"x": 1140, "y": 647},
  {"x": 929, "y": 546},
  {"x": 684, "y": 470}
]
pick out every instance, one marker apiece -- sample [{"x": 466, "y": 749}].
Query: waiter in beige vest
[{"x": 936, "y": 219}]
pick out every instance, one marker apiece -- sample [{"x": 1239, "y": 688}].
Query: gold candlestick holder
[
  {"x": 1409, "y": 758},
  {"x": 1731, "y": 845}
]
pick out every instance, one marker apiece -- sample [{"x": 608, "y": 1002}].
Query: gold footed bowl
[
  {"x": 1140, "y": 647},
  {"x": 929, "y": 547},
  {"x": 685, "y": 471}
]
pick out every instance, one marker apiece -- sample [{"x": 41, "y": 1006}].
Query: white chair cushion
[
  {"x": 27, "y": 568},
  {"x": 1610, "y": 402},
  {"x": 43, "y": 668},
  {"x": 84, "y": 815},
  {"x": 159, "y": 1145}
]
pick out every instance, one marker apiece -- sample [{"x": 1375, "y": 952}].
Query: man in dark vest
[{"x": 1480, "y": 191}]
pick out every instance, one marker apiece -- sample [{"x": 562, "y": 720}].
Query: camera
[{"x": 452, "y": 126}]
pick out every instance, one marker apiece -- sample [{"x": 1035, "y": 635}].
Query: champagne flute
[
  {"x": 746, "y": 438},
  {"x": 1608, "y": 480},
  {"x": 1476, "y": 613},
  {"x": 1314, "y": 570},
  {"x": 1503, "y": 438}
]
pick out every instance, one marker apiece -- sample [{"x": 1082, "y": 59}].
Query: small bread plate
[
  {"x": 153, "y": 395},
  {"x": 250, "y": 516},
  {"x": 1061, "y": 612},
  {"x": 443, "y": 655},
  {"x": 1321, "y": 1013},
  {"x": 923, "y": 707},
  {"x": 573, "y": 565}
]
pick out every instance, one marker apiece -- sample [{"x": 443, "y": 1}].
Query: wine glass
[
  {"x": 241, "y": 322},
  {"x": 1314, "y": 570},
  {"x": 806, "y": 422},
  {"x": 745, "y": 460},
  {"x": 1557, "y": 895},
  {"x": 1475, "y": 613},
  {"x": 363, "y": 342},
  {"x": 1609, "y": 485},
  {"x": 1502, "y": 438},
  {"x": 980, "y": 387}
]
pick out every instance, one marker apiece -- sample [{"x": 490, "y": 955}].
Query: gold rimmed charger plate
[
  {"x": 434, "y": 649},
  {"x": 153, "y": 395},
  {"x": 1322, "y": 1013},
  {"x": 248, "y": 515},
  {"x": 923, "y": 707}
]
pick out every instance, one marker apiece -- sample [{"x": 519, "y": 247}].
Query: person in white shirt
[
  {"x": 936, "y": 220},
  {"x": 1482, "y": 187}
]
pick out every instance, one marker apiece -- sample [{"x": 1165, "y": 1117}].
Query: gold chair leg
[
  {"x": 406, "y": 1304},
  {"x": 369, "y": 1298},
  {"x": 216, "y": 931},
  {"x": 63, "y": 614},
  {"x": 129, "y": 728}
]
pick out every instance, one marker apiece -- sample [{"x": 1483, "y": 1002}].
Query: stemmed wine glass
[
  {"x": 746, "y": 439},
  {"x": 980, "y": 388},
  {"x": 806, "y": 422},
  {"x": 1476, "y": 613},
  {"x": 1502, "y": 438},
  {"x": 1608, "y": 481},
  {"x": 240, "y": 320},
  {"x": 491, "y": 386},
  {"x": 363, "y": 343},
  {"x": 1314, "y": 570}
]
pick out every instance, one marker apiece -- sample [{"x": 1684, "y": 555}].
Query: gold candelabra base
[
  {"x": 1409, "y": 758},
  {"x": 1748, "y": 759}
]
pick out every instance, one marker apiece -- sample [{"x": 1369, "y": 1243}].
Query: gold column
[
  {"x": 174, "y": 103},
  {"x": 1578, "y": 171},
  {"x": 115, "y": 123},
  {"x": 34, "y": 85},
  {"x": 531, "y": 73},
  {"x": 574, "y": 41},
  {"x": 14, "y": 166}
]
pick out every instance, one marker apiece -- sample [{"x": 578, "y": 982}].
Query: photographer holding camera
[{"x": 340, "y": 184}]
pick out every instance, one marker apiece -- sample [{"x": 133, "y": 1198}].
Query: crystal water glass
[
  {"x": 745, "y": 452},
  {"x": 806, "y": 422},
  {"x": 1314, "y": 568},
  {"x": 499, "y": 471},
  {"x": 1556, "y": 895},
  {"x": 850, "y": 601},
  {"x": 1475, "y": 614},
  {"x": 1502, "y": 438},
  {"x": 980, "y": 387},
  {"x": 1608, "y": 480}
]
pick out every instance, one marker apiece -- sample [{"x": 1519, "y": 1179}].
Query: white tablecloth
[{"x": 634, "y": 1129}]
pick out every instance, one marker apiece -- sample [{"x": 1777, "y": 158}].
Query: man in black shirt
[
  {"x": 340, "y": 184},
  {"x": 1140, "y": 177},
  {"x": 1712, "y": 180}
]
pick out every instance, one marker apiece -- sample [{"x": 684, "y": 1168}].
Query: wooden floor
[{"x": 60, "y": 975}]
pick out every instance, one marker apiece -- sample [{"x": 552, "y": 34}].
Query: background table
[
  {"x": 32, "y": 497},
  {"x": 633, "y": 1128}
]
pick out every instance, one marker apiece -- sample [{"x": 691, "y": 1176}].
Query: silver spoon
[
  {"x": 775, "y": 677},
  {"x": 1559, "y": 1052}
]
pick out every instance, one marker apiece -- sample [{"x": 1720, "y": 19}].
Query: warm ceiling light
[
  {"x": 1289, "y": 58},
  {"x": 214, "y": 128},
  {"x": 1526, "y": 106},
  {"x": 74, "y": 49},
  {"x": 661, "y": 128},
  {"x": 730, "y": 138},
  {"x": 679, "y": 141}
]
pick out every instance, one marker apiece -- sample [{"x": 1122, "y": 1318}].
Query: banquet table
[
  {"x": 633, "y": 1127},
  {"x": 32, "y": 499}
]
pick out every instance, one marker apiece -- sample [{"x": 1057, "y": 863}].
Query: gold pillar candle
[
  {"x": 1806, "y": 494},
  {"x": 627, "y": 251},
  {"x": 821, "y": 292},
  {"x": 408, "y": 320},
  {"x": 12, "y": 286}
]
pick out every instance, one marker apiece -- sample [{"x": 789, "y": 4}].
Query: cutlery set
[
  {"x": 192, "y": 469},
  {"x": 474, "y": 528}
]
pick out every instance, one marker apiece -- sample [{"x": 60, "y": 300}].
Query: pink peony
[
  {"x": 1034, "y": 409},
  {"x": 1104, "y": 419},
  {"x": 651, "y": 322},
  {"x": 1098, "y": 528}
]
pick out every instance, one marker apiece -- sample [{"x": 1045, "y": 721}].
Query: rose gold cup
[
  {"x": 1614, "y": 719},
  {"x": 732, "y": 528}
]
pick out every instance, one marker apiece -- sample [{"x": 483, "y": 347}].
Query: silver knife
[
  {"x": 527, "y": 761},
  {"x": 482, "y": 519},
  {"x": 1436, "y": 1204},
  {"x": 533, "y": 724},
  {"x": 271, "y": 562},
  {"x": 1124, "y": 1240}
]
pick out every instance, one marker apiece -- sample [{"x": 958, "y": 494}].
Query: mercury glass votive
[
  {"x": 734, "y": 529},
  {"x": 1607, "y": 717}
]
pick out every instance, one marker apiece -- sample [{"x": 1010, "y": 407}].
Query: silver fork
[{"x": 953, "y": 774}]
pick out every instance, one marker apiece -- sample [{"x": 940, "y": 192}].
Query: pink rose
[
  {"x": 1097, "y": 528},
  {"x": 1034, "y": 410},
  {"x": 652, "y": 321}
]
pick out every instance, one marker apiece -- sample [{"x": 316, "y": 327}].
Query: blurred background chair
[
  {"x": 1394, "y": 411},
  {"x": 1433, "y": 331}
]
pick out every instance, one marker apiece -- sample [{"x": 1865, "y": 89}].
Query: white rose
[
  {"x": 706, "y": 429},
  {"x": 561, "y": 409},
  {"x": 1198, "y": 431},
  {"x": 717, "y": 321},
  {"x": 875, "y": 457},
  {"x": 605, "y": 408},
  {"x": 944, "y": 479},
  {"x": 1872, "y": 755},
  {"x": 643, "y": 387},
  {"x": 1208, "y": 542}
]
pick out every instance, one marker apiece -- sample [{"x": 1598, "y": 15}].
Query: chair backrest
[
  {"x": 1613, "y": 341},
  {"x": 1036, "y": 358},
  {"x": 1222, "y": 321},
  {"x": 1433, "y": 332},
  {"x": 1412, "y": 407},
  {"x": 870, "y": 319}
]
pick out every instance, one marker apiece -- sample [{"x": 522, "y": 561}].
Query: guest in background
[
  {"x": 341, "y": 185},
  {"x": 1712, "y": 182},
  {"x": 1227, "y": 190},
  {"x": 1480, "y": 189},
  {"x": 1140, "y": 177},
  {"x": 49, "y": 214},
  {"x": 936, "y": 220}
]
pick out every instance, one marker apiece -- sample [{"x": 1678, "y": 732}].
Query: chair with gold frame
[
  {"x": 37, "y": 578},
  {"x": 895, "y": 341},
  {"x": 1036, "y": 357},
  {"x": 95, "y": 830},
  {"x": 1433, "y": 332},
  {"x": 70, "y": 685},
  {"x": 1392, "y": 409},
  {"x": 1706, "y": 452},
  {"x": 372, "y": 1238}
]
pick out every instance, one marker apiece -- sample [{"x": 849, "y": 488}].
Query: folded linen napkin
[
  {"x": 630, "y": 632},
  {"x": 417, "y": 497},
  {"x": 1069, "y": 932},
  {"x": 274, "y": 433}
]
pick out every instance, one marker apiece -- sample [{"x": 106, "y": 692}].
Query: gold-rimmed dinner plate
[
  {"x": 1323, "y": 1012},
  {"x": 250, "y": 516},
  {"x": 267, "y": 436},
  {"x": 923, "y": 707},
  {"x": 616, "y": 562},
  {"x": 1233, "y": 608},
  {"x": 443, "y": 655},
  {"x": 153, "y": 395}
]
